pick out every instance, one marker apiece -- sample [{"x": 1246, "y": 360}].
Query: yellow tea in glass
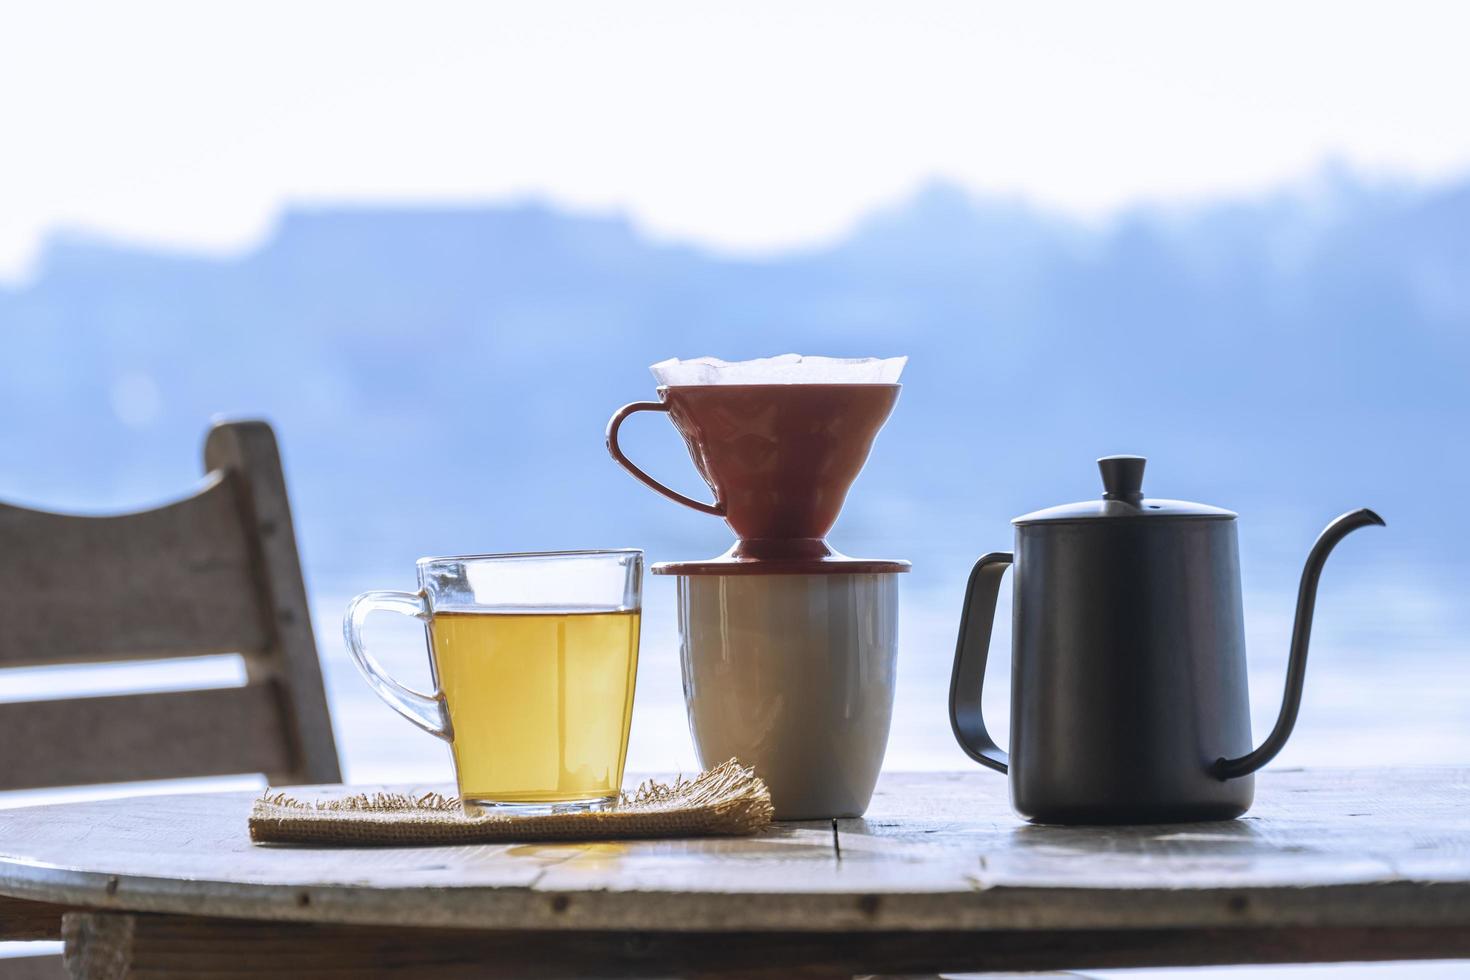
[
  {"x": 534, "y": 659},
  {"x": 541, "y": 702}
]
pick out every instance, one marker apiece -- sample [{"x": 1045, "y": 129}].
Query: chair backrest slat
[
  {"x": 217, "y": 572},
  {"x": 101, "y": 740},
  {"x": 177, "y": 581}
]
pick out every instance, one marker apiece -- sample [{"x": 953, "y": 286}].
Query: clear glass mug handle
[{"x": 424, "y": 710}]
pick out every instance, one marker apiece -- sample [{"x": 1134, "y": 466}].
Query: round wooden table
[{"x": 940, "y": 875}]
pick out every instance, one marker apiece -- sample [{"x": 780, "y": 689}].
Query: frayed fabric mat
[{"x": 728, "y": 800}]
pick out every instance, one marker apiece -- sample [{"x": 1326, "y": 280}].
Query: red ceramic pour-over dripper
[{"x": 780, "y": 459}]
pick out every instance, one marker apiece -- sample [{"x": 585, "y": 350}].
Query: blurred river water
[{"x": 1388, "y": 683}]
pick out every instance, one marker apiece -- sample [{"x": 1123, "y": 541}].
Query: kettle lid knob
[{"x": 1122, "y": 478}]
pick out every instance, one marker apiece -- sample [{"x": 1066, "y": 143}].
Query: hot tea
[
  {"x": 540, "y": 702},
  {"x": 534, "y": 658}
]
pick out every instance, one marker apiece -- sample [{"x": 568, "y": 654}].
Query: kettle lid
[{"x": 1123, "y": 498}]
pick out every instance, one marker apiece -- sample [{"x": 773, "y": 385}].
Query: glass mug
[{"x": 534, "y": 658}]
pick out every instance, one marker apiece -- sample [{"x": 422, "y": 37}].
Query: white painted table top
[{"x": 935, "y": 851}]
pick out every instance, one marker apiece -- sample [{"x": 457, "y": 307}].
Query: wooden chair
[{"x": 216, "y": 572}]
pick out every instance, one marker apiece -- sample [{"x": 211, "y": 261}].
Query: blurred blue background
[
  {"x": 437, "y": 245},
  {"x": 440, "y": 379}
]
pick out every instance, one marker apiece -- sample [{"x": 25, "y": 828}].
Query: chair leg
[{"x": 99, "y": 945}]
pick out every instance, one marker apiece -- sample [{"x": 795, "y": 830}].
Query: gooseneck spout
[{"x": 1301, "y": 634}]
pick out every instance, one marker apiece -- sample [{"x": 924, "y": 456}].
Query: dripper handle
[{"x": 615, "y": 423}]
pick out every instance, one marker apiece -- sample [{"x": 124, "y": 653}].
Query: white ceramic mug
[{"x": 794, "y": 676}]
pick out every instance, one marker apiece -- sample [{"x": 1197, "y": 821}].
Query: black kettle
[{"x": 1128, "y": 670}]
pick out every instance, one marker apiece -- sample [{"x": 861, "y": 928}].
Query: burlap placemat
[{"x": 727, "y": 800}]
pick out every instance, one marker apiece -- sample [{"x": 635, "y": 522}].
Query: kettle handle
[{"x": 971, "y": 651}]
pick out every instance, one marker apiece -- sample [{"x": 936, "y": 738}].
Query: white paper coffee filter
[{"x": 787, "y": 369}]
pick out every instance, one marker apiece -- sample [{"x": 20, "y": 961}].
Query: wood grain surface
[
  {"x": 117, "y": 945},
  {"x": 20, "y": 919},
  {"x": 1327, "y": 849},
  {"x": 75, "y": 741},
  {"x": 178, "y": 581},
  {"x": 215, "y": 572},
  {"x": 248, "y": 452}
]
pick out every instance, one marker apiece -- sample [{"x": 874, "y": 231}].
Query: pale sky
[{"x": 742, "y": 126}]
